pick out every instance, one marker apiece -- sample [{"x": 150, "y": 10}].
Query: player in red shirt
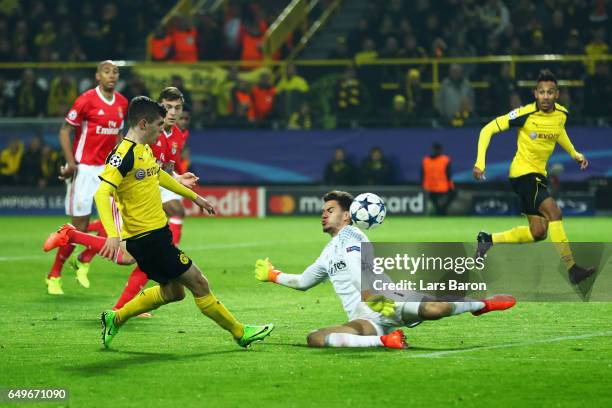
[
  {"x": 96, "y": 118},
  {"x": 167, "y": 150},
  {"x": 182, "y": 165}
]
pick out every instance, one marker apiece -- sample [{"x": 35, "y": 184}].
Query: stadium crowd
[{"x": 307, "y": 97}]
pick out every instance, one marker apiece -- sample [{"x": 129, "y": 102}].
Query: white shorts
[
  {"x": 81, "y": 189},
  {"x": 167, "y": 195},
  {"x": 386, "y": 325}
]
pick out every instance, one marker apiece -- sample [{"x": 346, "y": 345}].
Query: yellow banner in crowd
[{"x": 203, "y": 81}]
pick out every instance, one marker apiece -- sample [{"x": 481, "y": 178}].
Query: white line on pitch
[{"x": 444, "y": 353}]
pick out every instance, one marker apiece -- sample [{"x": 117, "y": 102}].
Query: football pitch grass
[{"x": 536, "y": 354}]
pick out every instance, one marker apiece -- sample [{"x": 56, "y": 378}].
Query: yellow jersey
[
  {"x": 538, "y": 133},
  {"x": 132, "y": 170}
]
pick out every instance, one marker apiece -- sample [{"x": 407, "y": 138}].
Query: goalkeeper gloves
[
  {"x": 264, "y": 271},
  {"x": 381, "y": 304}
]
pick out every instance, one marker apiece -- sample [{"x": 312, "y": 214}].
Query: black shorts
[
  {"x": 532, "y": 189},
  {"x": 157, "y": 256}
]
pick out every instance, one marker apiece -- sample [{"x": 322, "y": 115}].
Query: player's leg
[
  {"x": 212, "y": 308},
  {"x": 356, "y": 333},
  {"x": 527, "y": 187},
  {"x": 68, "y": 234},
  {"x": 87, "y": 254},
  {"x": 552, "y": 212},
  {"x": 176, "y": 212},
  {"x": 136, "y": 282}
]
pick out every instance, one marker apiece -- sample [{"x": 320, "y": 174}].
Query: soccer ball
[{"x": 368, "y": 211}]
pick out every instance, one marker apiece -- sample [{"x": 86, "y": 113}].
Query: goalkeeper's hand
[
  {"x": 381, "y": 304},
  {"x": 264, "y": 271}
]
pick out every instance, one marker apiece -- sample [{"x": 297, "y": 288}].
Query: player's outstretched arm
[
  {"x": 102, "y": 198},
  {"x": 168, "y": 182},
  {"x": 567, "y": 145},
  {"x": 265, "y": 272},
  {"x": 495, "y": 126}
]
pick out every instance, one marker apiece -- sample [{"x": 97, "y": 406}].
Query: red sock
[
  {"x": 88, "y": 254},
  {"x": 92, "y": 242},
  {"x": 137, "y": 280},
  {"x": 62, "y": 254},
  {"x": 176, "y": 228},
  {"x": 97, "y": 227}
]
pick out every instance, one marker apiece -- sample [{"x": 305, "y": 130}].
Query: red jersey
[
  {"x": 168, "y": 148},
  {"x": 98, "y": 122}
]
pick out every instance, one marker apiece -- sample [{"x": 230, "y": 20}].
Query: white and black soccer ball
[{"x": 368, "y": 211}]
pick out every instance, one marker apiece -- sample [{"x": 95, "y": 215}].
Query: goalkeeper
[{"x": 373, "y": 323}]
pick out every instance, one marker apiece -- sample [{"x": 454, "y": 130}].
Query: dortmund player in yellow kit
[
  {"x": 133, "y": 177},
  {"x": 540, "y": 126}
]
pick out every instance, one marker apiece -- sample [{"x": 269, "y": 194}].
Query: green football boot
[
  {"x": 109, "y": 329},
  {"x": 81, "y": 269},
  {"x": 254, "y": 333}
]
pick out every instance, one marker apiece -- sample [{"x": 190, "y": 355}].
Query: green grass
[{"x": 536, "y": 354}]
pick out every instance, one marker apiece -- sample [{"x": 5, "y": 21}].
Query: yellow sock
[
  {"x": 212, "y": 308},
  {"x": 147, "y": 300},
  {"x": 515, "y": 235},
  {"x": 557, "y": 235}
]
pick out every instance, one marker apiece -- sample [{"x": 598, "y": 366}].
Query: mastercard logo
[{"x": 281, "y": 204}]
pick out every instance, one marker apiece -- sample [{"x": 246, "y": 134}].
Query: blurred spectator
[
  {"x": 557, "y": 33},
  {"x": 597, "y": 91},
  {"x": 596, "y": 47},
  {"x": 62, "y": 93},
  {"x": 184, "y": 40},
  {"x": 135, "y": 87},
  {"x": 242, "y": 105},
  {"x": 348, "y": 99},
  {"x": 46, "y": 36},
  {"x": 464, "y": 116},
  {"x": 112, "y": 33},
  {"x": 436, "y": 179},
  {"x": 398, "y": 116},
  {"x": 391, "y": 49},
  {"x": 178, "y": 82},
  {"x": 417, "y": 104},
  {"x": 210, "y": 38},
  {"x": 301, "y": 119},
  {"x": 411, "y": 49},
  {"x": 91, "y": 39},
  {"x": 50, "y": 165},
  {"x": 537, "y": 46},
  {"x": 29, "y": 96},
  {"x": 359, "y": 35},
  {"x": 376, "y": 170},
  {"x": 5, "y": 99},
  {"x": 368, "y": 52},
  {"x": 226, "y": 91},
  {"x": 461, "y": 48},
  {"x": 341, "y": 51},
  {"x": 291, "y": 91},
  {"x": 30, "y": 170},
  {"x": 252, "y": 42},
  {"x": 262, "y": 95},
  {"x": 453, "y": 90},
  {"x": 501, "y": 87},
  {"x": 10, "y": 161},
  {"x": 160, "y": 45},
  {"x": 339, "y": 171}
]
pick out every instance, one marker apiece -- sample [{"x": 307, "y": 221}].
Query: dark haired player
[
  {"x": 133, "y": 177},
  {"x": 541, "y": 125},
  {"x": 340, "y": 261},
  {"x": 167, "y": 150},
  {"x": 96, "y": 118}
]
